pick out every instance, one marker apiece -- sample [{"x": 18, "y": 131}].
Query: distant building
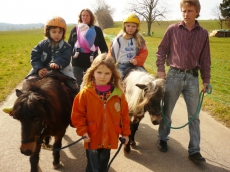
[{"x": 220, "y": 33}]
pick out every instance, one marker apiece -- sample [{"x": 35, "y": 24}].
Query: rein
[
  {"x": 201, "y": 96},
  {"x": 58, "y": 149}
]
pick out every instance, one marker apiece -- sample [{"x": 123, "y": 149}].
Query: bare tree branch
[
  {"x": 149, "y": 10},
  {"x": 101, "y": 5},
  {"x": 217, "y": 13},
  {"x": 103, "y": 13}
]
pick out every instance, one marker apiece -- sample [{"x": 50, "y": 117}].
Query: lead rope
[
  {"x": 122, "y": 140},
  {"x": 201, "y": 96}
]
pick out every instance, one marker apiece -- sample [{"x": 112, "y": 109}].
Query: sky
[{"x": 31, "y": 11}]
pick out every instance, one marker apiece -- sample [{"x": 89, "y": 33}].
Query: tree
[
  {"x": 101, "y": 5},
  {"x": 149, "y": 10},
  {"x": 225, "y": 8},
  {"x": 216, "y": 12},
  {"x": 225, "y": 11},
  {"x": 103, "y": 13},
  {"x": 104, "y": 19}
]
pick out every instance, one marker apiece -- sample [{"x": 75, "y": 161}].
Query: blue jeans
[
  {"x": 122, "y": 67},
  {"x": 187, "y": 85},
  {"x": 97, "y": 160}
]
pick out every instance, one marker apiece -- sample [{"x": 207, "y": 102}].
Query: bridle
[{"x": 37, "y": 137}]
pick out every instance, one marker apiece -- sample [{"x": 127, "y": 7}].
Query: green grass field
[{"x": 15, "y": 48}]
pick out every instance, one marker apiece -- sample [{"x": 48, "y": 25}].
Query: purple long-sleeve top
[{"x": 184, "y": 49}]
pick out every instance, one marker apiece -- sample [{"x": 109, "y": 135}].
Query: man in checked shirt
[{"x": 185, "y": 48}]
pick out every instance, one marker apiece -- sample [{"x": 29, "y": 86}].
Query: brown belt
[{"x": 183, "y": 70}]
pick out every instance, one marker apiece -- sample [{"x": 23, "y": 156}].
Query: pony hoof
[
  {"x": 56, "y": 166},
  {"x": 127, "y": 149},
  {"x": 47, "y": 147},
  {"x": 132, "y": 143}
]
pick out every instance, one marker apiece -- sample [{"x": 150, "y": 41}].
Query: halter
[{"x": 37, "y": 137}]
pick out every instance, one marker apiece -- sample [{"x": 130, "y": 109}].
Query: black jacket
[{"x": 83, "y": 58}]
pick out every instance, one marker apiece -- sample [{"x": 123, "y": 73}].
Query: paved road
[{"x": 144, "y": 157}]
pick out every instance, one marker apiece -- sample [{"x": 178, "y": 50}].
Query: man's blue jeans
[{"x": 186, "y": 84}]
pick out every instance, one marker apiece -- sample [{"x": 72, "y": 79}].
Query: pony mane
[
  {"x": 45, "y": 96},
  {"x": 137, "y": 98}
]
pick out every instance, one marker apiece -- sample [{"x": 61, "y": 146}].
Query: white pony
[{"x": 144, "y": 94}]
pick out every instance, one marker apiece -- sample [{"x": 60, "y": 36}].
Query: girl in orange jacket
[
  {"x": 100, "y": 112},
  {"x": 129, "y": 48}
]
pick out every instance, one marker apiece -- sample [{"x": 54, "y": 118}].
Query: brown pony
[{"x": 43, "y": 108}]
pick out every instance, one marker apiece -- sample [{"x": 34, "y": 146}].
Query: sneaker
[
  {"x": 7, "y": 110},
  {"x": 196, "y": 157},
  {"x": 162, "y": 146}
]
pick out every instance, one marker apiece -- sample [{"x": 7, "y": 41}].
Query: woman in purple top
[{"x": 185, "y": 48}]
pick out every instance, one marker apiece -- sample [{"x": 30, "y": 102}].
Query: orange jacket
[{"x": 101, "y": 121}]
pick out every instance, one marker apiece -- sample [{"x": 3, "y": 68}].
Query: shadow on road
[{"x": 176, "y": 159}]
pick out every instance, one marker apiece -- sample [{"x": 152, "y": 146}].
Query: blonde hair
[
  {"x": 103, "y": 59},
  {"x": 195, "y": 3}
]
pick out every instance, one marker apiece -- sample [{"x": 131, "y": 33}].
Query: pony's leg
[
  {"x": 46, "y": 144},
  {"x": 56, "y": 154},
  {"x": 127, "y": 147},
  {"x": 47, "y": 140},
  {"x": 34, "y": 159},
  {"x": 134, "y": 128}
]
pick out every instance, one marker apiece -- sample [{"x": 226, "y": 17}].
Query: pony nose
[
  {"x": 27, "y": 152},
  {"x": 155, "y": 122}
]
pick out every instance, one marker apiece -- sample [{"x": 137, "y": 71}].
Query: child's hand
[
  {"x": 87, "y": 139},
  {"x": 42, "y": 72},
  {"x": 126, "y": 139},
  {"x": 76, "y": 55},
  {"x": 133, "y": 61},
  {"x": 54, "y": 66}
]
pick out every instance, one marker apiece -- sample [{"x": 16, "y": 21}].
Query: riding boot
[{"x": 73, "y": 86}]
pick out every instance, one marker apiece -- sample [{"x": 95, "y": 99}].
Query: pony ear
[
  {"x": 18, "y": 92},
  {"x": 141, "y": 86}
]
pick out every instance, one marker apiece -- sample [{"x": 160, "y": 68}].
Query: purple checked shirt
[{"x": 184, "y": 49}]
